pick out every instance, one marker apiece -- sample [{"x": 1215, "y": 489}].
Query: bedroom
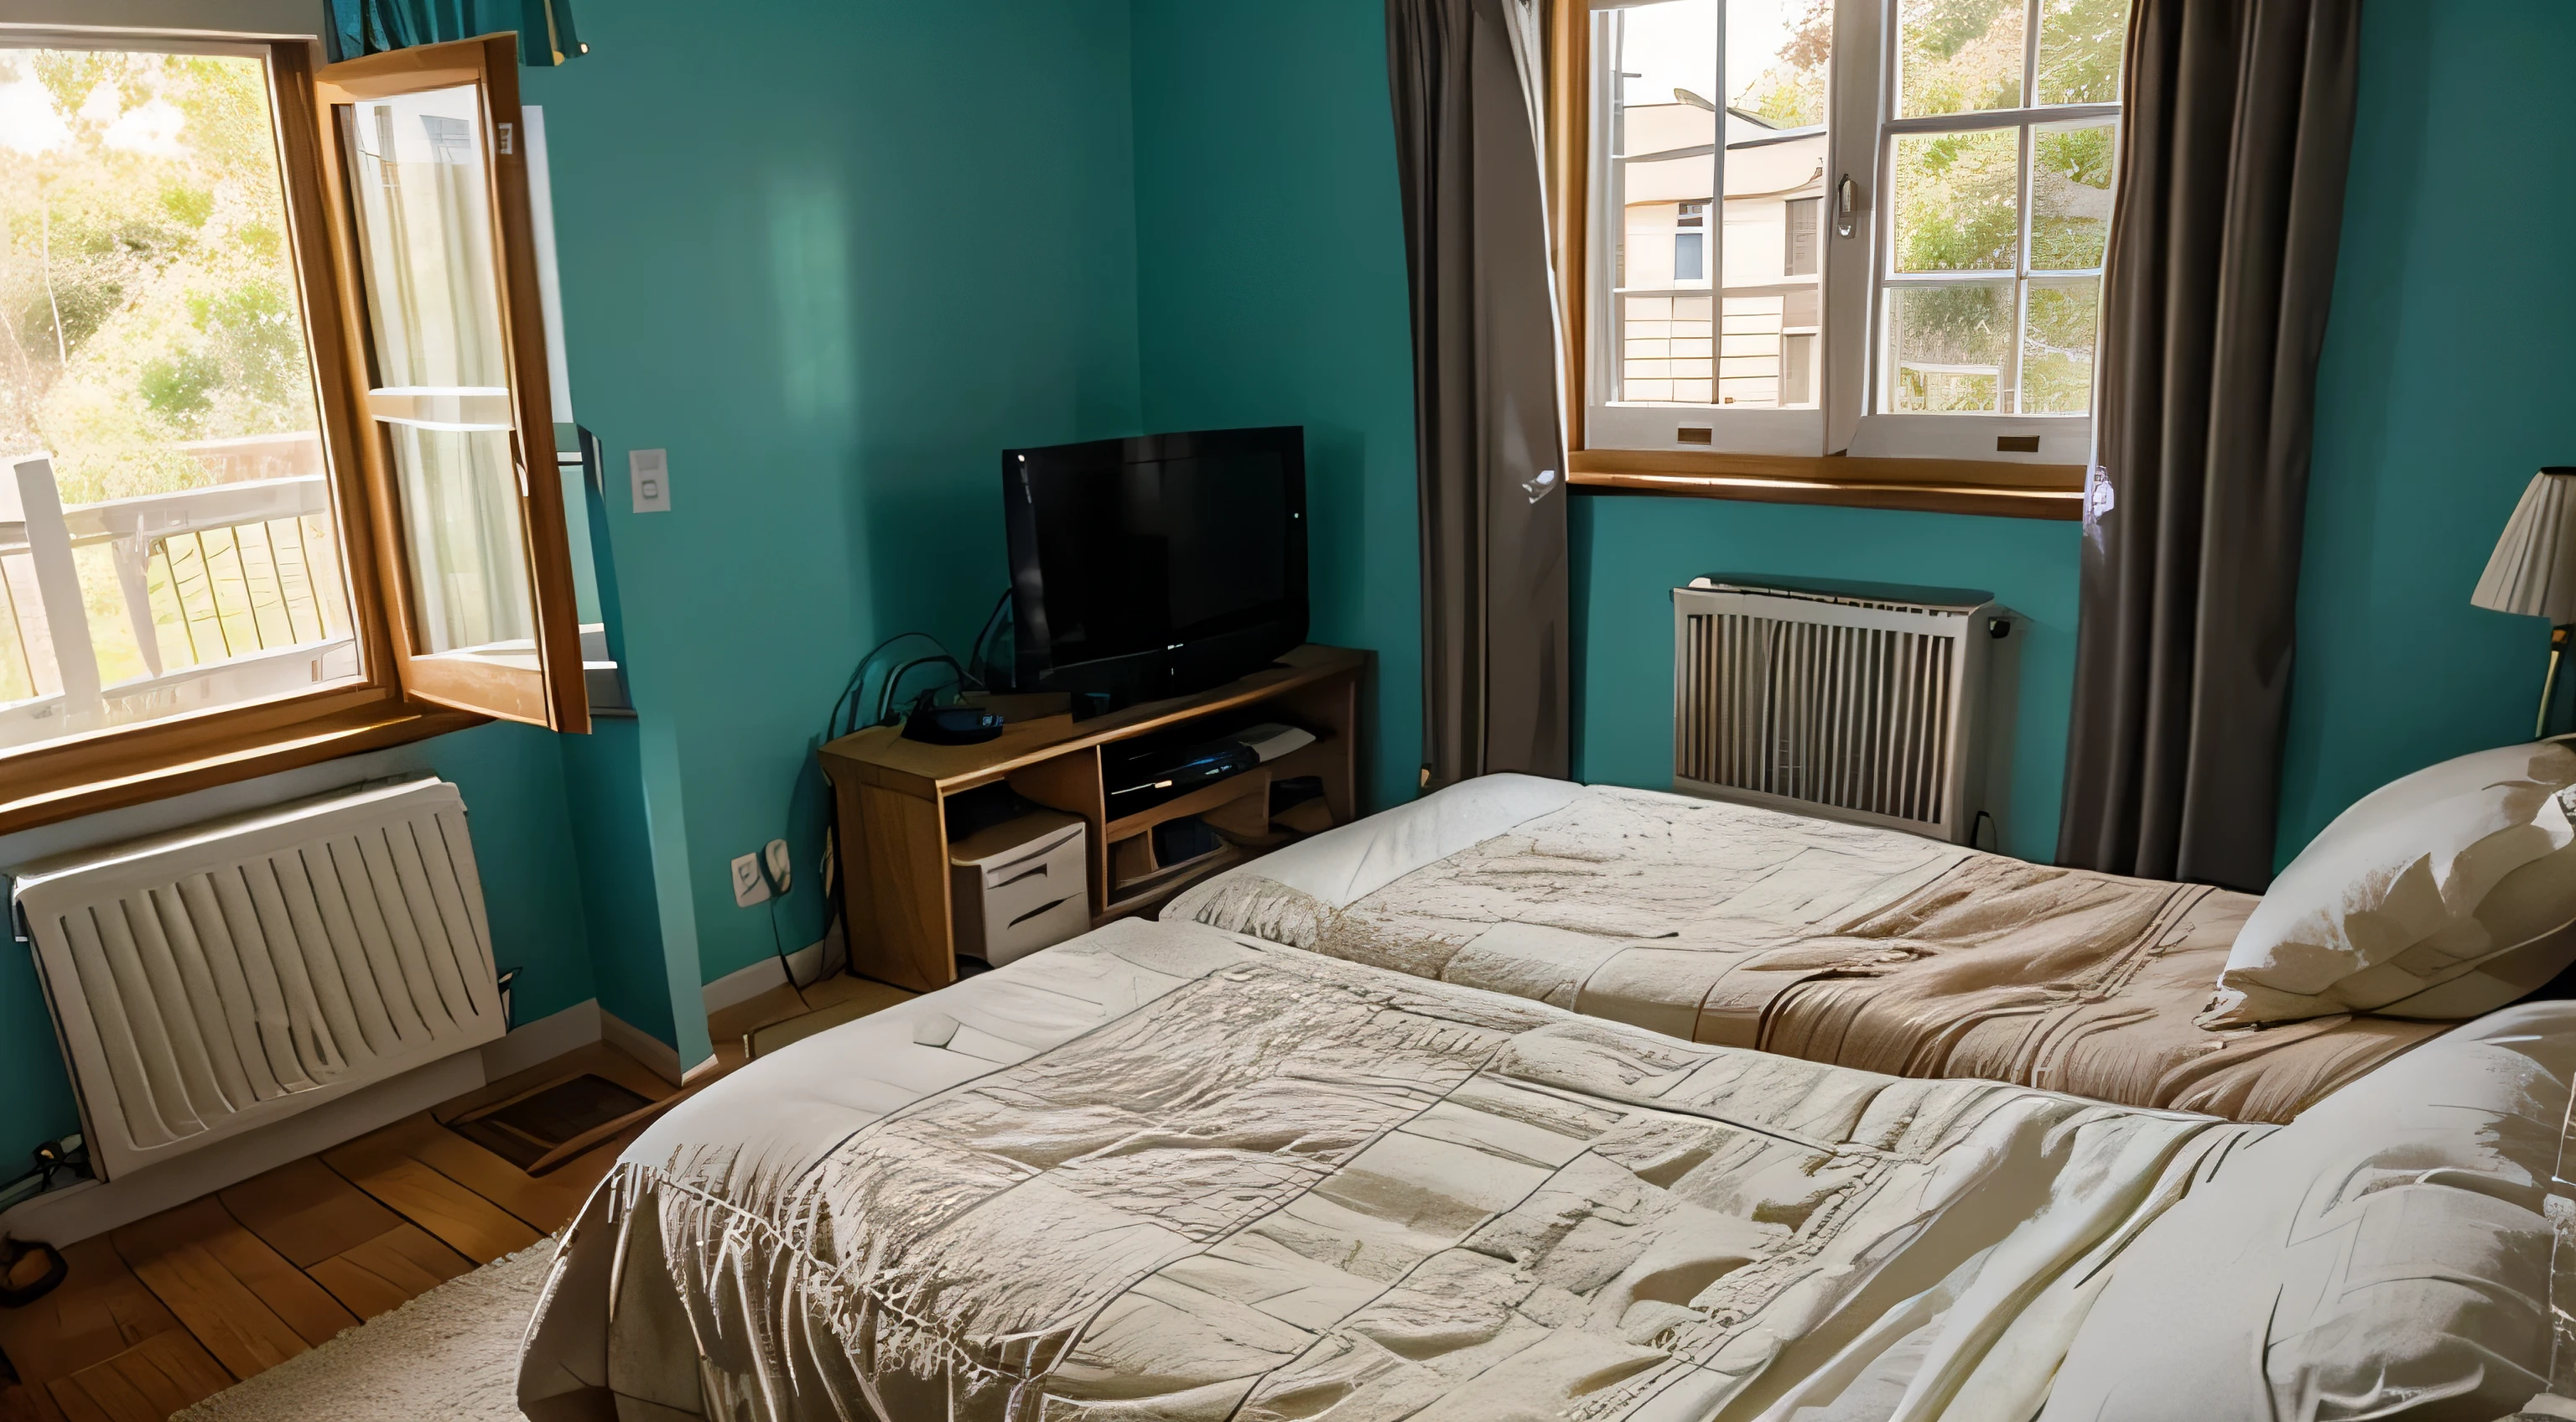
[{"x": 774, "y": 269}]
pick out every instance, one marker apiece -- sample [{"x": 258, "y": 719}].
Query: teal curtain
[{"x": 373, "y": 26}]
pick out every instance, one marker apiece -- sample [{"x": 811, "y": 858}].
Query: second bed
[{"x": 1737, "y": 926}]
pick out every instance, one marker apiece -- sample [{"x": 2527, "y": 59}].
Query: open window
[
  {"x": 428, "y": 189},
  {"x": 277, "y": 463},
  {"x": 1834, "y": 250}
]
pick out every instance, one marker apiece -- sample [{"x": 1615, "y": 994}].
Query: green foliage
[
  {"x": 2079, "y": 50},
  {"x": 1942, "y": 28},
  {"x": 180, "y": 387},
  {"x": 1958, "y": 56},
  {"x": 2070, "y": 197},
  {"x": 146, "y": 296},
  {"x": 187, "y": 206},
  {"x": 1790, "y": 93},
  {"x": 1958, "y": 204},
  {"x": 2057, "y": 351}
]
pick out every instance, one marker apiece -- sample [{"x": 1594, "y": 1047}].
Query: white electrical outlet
[
  {"x": 748, "y": 887},
  {"x": 781, "y": 869},
  {"x": 650, "y": 469}
]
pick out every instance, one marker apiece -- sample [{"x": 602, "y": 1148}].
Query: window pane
[
  {"x": 2079, "y": 50},
  {"x": 2070, "y": 195},
  {"x": 1776, "y": 57},
  {"x": 441, "y": 367},
  {"x": 1776, "y": 54},
  {"x": 1950, "y": 348},
  {"x": 154, "y": 348},
  {"x": 2057, "y": 348},
  {"x": 1666, "y": 57},
  {"x": 1958, "y": 56},
  {"x": 1958, "y": 201},
  {"x": 1755, "y": 248}
]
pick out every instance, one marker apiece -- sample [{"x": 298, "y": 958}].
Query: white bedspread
[{"x": 1162, "y": 1172}]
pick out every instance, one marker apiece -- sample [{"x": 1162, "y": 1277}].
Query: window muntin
[
  {"x": 1997, "y": 213},
  {"x": 155, "y": 352}
]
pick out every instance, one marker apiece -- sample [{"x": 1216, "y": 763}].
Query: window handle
[{"x": 1846, "y": 201}]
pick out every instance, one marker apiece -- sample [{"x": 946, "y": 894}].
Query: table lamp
[{"x": 2533, "y": 572}]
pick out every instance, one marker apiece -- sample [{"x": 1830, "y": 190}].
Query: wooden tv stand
[{"x": 890, "y": 798}]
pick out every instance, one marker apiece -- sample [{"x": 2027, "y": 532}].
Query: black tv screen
[{"x": 1158, "y": 565}]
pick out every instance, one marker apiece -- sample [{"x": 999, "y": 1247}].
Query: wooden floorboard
[
  {"x": 537, "y": 1201},
  {"x": 381, "y": 1274},
  {"x": 98, "y": 1311},
  {"x": 251, "y": 1308},
  {"x": 21, "y": 1403},
  {"x": 468, "y": 1223},
  {"x": 307, "y": 1212},
  {"x": 145, "y": 1383},
  {"x": 168, "y": 1310}
]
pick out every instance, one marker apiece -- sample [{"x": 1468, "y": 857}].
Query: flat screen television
[{"x": 1155, "y": 566}]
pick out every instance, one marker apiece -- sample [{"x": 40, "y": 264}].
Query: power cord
[
  {"x": 975, "y": 663},
  {"x": 786, "y": 969},
  {"x": 837, "y": 724}
]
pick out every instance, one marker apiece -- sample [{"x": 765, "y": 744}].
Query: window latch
[{"x": 1846, "y": 201}]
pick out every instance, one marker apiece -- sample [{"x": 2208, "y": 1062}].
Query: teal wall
[
  {"x": 834, "y": 260},
  {"x": 2445, "y": 383},
  {"x": 1630, "y": 552},
  {"x": 612, "y": 840},
  {"x": 1271, "y": 291},
  {"x": 513, "y": 784}
]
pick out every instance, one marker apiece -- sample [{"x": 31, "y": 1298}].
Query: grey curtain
[
  {"x": 1464, "y": 78},
  {"x": 2221, "y": 263}
]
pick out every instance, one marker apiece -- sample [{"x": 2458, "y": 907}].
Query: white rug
[{"x": 451, "y": 1355}]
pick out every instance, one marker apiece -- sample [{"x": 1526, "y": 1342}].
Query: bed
[
  {"x": 1732, "y": 925},
  {"x": 1164, "y": 1172}
]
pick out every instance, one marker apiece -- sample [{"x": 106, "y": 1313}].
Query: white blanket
[{"x": 1161, "y": 1172}]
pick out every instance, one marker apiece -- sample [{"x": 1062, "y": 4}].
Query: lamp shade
[{"x": 2533, "y": 571}]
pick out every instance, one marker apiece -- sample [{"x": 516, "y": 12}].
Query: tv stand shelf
[{"x": 890, "y": 799}]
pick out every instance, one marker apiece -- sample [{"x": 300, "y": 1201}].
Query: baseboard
[
  {"x": 536, "y": 1043},
  {"x": 643, "y": 1046},
  {"x": 77, "y": 1212},
  {"x": 809, "y": 962}
]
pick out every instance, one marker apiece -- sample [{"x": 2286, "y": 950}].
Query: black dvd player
[{"x": 1143, "y": 776}]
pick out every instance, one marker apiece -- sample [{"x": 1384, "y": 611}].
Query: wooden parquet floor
[{"x": 174, "y": 1308}]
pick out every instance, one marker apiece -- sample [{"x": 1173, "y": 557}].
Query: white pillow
[
  {"x": 2386, "y": 1255},
  {"x": 2385, "y": 904}
]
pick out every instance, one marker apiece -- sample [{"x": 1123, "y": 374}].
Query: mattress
[
  {"x": 1165, "y": 1172},
  {"x": 1732, "y": 925}
]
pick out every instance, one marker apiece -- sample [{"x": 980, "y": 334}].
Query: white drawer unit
[{"x": 1020, "y": 886}]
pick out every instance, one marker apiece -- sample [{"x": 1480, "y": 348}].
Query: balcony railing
[{"x": 228, "y": 593}]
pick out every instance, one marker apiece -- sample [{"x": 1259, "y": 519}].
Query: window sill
[
  {"x": 84, "y": 779},
  {"x": 1965, "y": 486}
]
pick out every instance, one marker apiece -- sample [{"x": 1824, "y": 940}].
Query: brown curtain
[
  {"x": 2238, "y": 129},
  {"x": 1487, "y": 437}
]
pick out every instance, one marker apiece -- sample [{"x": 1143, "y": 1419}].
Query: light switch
[{"x": 651, "y": 471}]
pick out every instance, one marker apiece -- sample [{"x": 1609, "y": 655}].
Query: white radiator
[
  {"x": 210, "y": 981},
  {"x": 1852, "y": 701}
]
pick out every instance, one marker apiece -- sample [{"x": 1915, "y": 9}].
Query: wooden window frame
[
  {"x": 220, "y": 745},
  {"x": 1992, "y": 487}
]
